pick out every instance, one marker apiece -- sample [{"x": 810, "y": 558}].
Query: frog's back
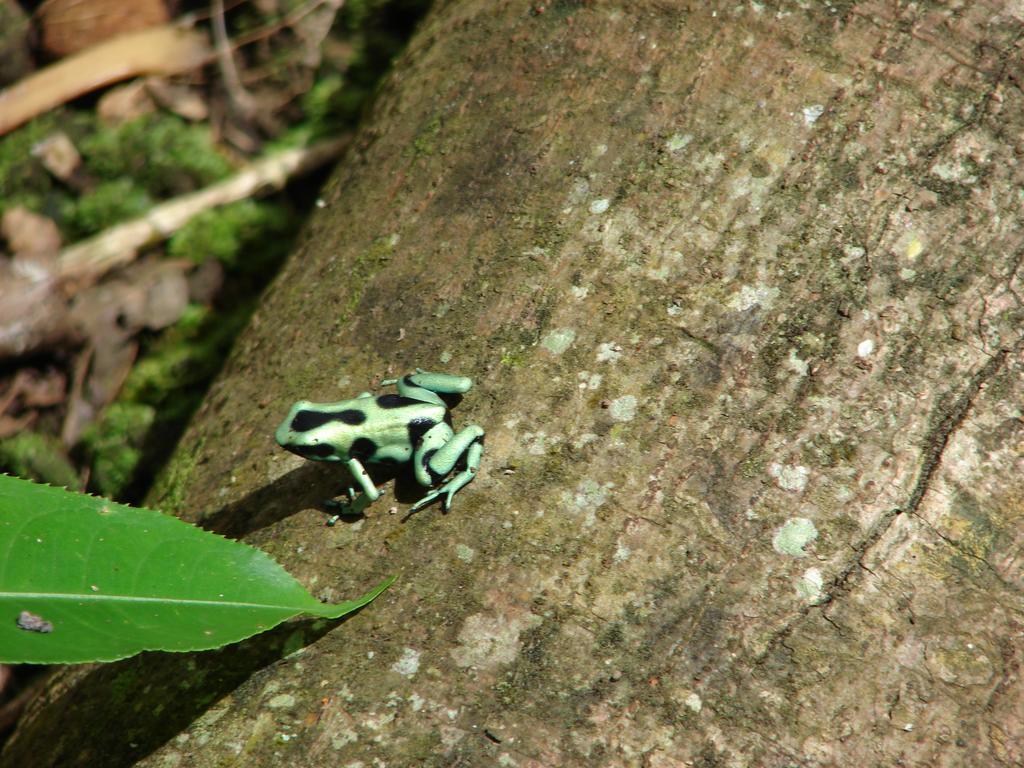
[{"x": 398, "y": 420}]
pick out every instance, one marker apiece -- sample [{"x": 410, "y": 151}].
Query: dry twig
[{"x": 88, "y": 260}]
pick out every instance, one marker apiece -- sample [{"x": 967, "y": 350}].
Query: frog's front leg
[
  {"x": 438, "y": 453},
  {"x": 370, "y": 494},
  {"x": 361, "y": 476}
]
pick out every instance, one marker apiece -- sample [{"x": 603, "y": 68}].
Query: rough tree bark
[{"x": 739, "y": 285}]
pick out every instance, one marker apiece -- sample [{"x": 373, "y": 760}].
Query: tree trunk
[{"x": 739, "y": 288}]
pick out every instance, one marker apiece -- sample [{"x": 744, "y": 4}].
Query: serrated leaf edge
[
  {"x": 326, "y": 610},
  {"x": 206, "y": 531}
]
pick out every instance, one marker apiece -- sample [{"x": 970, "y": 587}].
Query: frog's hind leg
[
  {"x": 425, "y": 386},
  {"x": 441, "y": 451}
]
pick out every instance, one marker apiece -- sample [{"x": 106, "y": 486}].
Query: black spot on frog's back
[
  {"x": 304, "y": 421},
  {"x": 362, "y": 449},
  {"x": 307, "y": 420},
  {"x": 396, "y": 401},
  {"x": 350, "y": 416},
  {"x": 418, "y": 428}
]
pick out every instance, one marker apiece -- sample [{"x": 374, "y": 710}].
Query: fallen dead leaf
[
  {"x": 32, "y": 388},
  {"x": 58, "y": 155},
  {"x": 152, "y": 294},
  {"x": 33, "y": 312},
  {"x": 69, "y": 26},
  {"x": 125, "y": 102},
  {"x": 165, "y": 291},
  {"x": 180, "y": 99},
  {"x": 79, "y": 413},
  {"x": 205, "y": 281},
  {"x": 43, "y": 389},
  {"x": 27, "y": 391},
  {"x": 29, "y": 233}
]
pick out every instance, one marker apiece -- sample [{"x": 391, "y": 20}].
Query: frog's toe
[
  {"x": 429, "y": 499},
  {"x": 448, "y": 499},
  {"x": 353, "y": 507}
]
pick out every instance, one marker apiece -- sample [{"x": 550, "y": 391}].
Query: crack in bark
[
  {"x": 938, "y": 436},
  {"x": 935, "y": 443}
]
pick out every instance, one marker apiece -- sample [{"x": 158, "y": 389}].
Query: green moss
[
  {"x": 245, "y": 235},
  {"x": 23, "y": 179},
  {"x": 505, "y": 692},
  {"x": 38, "y": 457},
  {"x": 163, "y": 154},
  {"x": 791, "y": 420},
  {"x": 168, "y": 382},
  {"x": 377, "y": 31},
  {"x": 978, "y": 538},
  {"x": 362, "y": 269},
  {"x": 114, "y": 445},
  {"x": 612, "y": 637},
  {"x": 561, "y": 9},
  {"x": 109, "y": 203},
  {"x": 169, "y": 488},
  {"x": 186, "y": 354},
  {"x": 425, "y": 143},
  {"x": 824, "y": 450},
  {"x": 753, "y": 465},
  {"x": 513, "y": 359},
  {"x": 20, "y": 173},
  {"x": 322, "y": 105}
]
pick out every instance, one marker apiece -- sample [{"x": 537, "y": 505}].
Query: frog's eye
[{"x": 307, "y": 420}]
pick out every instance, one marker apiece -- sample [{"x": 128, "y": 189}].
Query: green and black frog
[{"x": 391, "y": 430}]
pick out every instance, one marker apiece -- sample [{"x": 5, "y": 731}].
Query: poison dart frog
[{"x": 414, "y": 425}]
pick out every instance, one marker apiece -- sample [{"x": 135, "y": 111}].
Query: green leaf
[{"x": 86, "y": 579}]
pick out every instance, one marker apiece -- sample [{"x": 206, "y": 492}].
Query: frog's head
[{"x": 318, "y": 431}]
